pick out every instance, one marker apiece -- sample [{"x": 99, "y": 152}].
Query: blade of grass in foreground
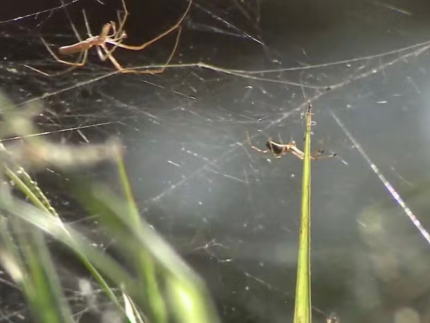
[
  {"x": 33, "y": 270},
  {"x": 302, "y": 311},
  {"x": 166, "y": 284}
]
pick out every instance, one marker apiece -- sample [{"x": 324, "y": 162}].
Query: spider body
[
  {"x": 279, "y": 150},
  {"x": 91, "y": 41},
  {"x": 276, "y": 148}
]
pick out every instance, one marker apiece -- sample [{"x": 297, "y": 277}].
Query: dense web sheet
[{"x": 232, "y": 212}]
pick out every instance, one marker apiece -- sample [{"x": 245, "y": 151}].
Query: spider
[
  {"x": 110, "y": 35},
  {"x": 279, "y": 150}
]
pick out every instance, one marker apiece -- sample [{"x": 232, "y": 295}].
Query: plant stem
[{"x": 302, "y": 311}]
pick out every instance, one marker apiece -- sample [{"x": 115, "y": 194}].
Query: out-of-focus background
[{"x": 230, "y": 211}]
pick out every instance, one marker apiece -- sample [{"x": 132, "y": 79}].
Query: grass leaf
[{"x": 302, "y": 311}]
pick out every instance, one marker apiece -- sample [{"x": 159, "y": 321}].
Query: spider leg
[
  {"x": 114, "y": 30},
  {"x": 87, "y": 25},
  {"x": 295, "y": 151},
  {"x": 115, "y": 42},
  {"x": 83, "y": 56},
  {"x": 111, "y": 58},
  {"x": 80, "y": 62},
  {"x": 124, "y": 18},
  {"x": 118, "y": 65},
  {"x": 254, "y": 147},
  {"x": 102, "y": 56},
  {"x": 319, "y": 157},
  {"x": 71, "y": 68},
  {"x": 292, "y": 144},
  {"x": 82, "y": 59},
  {"x": 158, "y": 70},
  {"x": 163, "y": 34},
  {"x": 120, "y": 35},
  {"x": 261, "y": 151},
  {"x": 114, "y": 38},
  {"x": 299, "y": 155}
]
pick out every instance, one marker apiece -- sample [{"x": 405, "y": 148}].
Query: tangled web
[{"x": 247, "y": 70}]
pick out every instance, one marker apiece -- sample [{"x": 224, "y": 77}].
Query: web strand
[{"x": 389, "y": 187}]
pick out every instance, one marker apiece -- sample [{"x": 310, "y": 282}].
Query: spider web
[{"x": 233, "y": 213}]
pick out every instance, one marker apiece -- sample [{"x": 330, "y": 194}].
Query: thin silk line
[{"x": 389, "y": 187}]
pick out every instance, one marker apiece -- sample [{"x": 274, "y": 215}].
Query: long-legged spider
[
  {"x": 110, "y": 35},
  {"x": 279, "y": 150}
]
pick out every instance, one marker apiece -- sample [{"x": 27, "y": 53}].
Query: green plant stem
[
  {"x": 143, "y": 261},
  {"x": 302, "y": 311}
]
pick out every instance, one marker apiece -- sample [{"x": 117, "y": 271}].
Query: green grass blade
[
  {"x": 302, "y": 311},
  {"x": 30, "y": 193},
  {"x": 153, "y": 278},
  {"x": 83, "y": 248},
  {"x": 33, "y": 271},
  {"x": 143, "y": 263},
  {"x": 18, "y": 122},
  {"x": 44, "y": 205},
  {"x": 148, "y": 252}
]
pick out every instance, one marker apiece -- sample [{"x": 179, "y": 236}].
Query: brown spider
[
  {"x": 110, "y": 35},
  {"x": 279, "y": 150}
]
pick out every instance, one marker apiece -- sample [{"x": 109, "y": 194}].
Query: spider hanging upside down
[
  {"x": 279, "y": 150},
  {"x": 113, "y": 36}
]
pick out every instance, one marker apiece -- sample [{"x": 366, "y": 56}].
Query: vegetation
[{"x": 151, "y": 283}]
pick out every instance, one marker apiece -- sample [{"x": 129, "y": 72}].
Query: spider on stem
[
  {"x": 113, "y": 36},
  {"x": 279, "y": 150}
]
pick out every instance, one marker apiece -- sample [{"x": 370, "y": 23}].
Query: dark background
[{"x": 232, "y": 212}]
